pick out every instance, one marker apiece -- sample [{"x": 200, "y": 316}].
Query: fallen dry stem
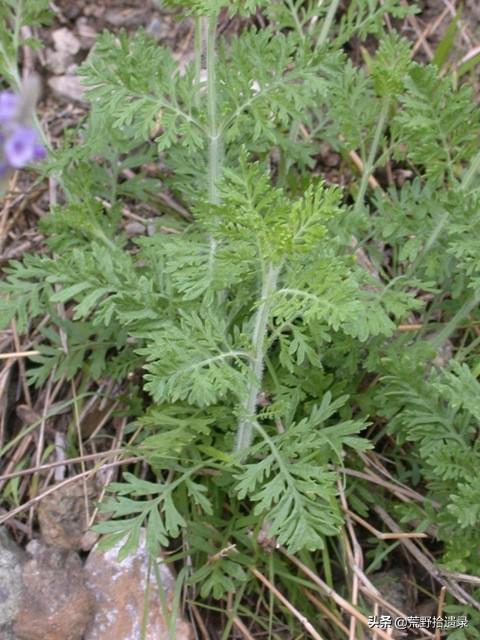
[
  {"x": 242, "y": 628},
  {"x": 344, "y": 604},
  {"x": 300, "y": 617},
  {"x": 428, "y": 31},
  {"x": 18, "y": 354},
  {"x": 326, "y": 611},
  {"x": 61, "y": 463},
  {"x": 384, "y": 536},
  {"x": 441, "y": 602},
  {"x": 199, "y": 621},
  {"x": 455, "y": 589},
  {"x": 55, "y": 487},
  {"x": 401, "y": 492}
]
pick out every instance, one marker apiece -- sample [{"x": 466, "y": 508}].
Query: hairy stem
[
  {"x": 452, "y": 325},
  {"x": 198, "y": 58},
  {"x": 248, "y": 409},
  {"x": 17, "y": 25},
  {"x": 370, "y": 164},
  {"x": 296, "y": 19},
  {"x": 214, "y": 140},
  {"x": 214, "y": 132},
  {"x": 327, "y": 23},
  {"x": 465, "y": 187},
  {"x": 470, "y": 174}
]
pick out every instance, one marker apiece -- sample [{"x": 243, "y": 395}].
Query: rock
[
  {"x": 158, "y": 28},
  {"x": 119, "y": 589},
  {"x": 63, "y": 518},
  {"x": 67, "y": 46},
  {"x": 396, "y": 587},
  {"x": 134, "y": 228},
  {"x": 65, "y": 41},
  {"x": 86, "y": 33},
  {"x": 57, "y": 62},
  {"x": 444, "y": 354},
  {"x": 11, "y": 560},
  {"x": 68, "y": 87},
  {"x": 55, "y": 602},
  {"x": 70, "y": 10},
  {"x": 126, "y": 17}
]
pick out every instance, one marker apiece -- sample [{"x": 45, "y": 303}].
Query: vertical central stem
[
  {"x": 370, "y": 164},
  {"x": 214, "y": 142},
  {"x": 327, "y": 23},
  {"x": 248, "y": 409},
  {"x": 198, "y": 58}
]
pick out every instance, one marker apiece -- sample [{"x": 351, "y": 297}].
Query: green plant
[{"x": 257, "y": 327}]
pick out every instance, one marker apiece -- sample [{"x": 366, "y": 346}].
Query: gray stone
[
  {"x": 55, "y": 602},
  {"x": 68, "y": 87},
  {"x": 63, "y": 516},
  {"x": 11, "y": 560},
  {"x": 67, "y": 45},
  {"x": 120, "y": 587},
  {"x": 66, "y": 41}
]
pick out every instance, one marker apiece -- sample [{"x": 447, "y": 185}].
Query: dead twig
[
  {"x": 307, "y": 625},
  {"x": 384, "y": 536},
  {"x": 242, "y": 628},
  {"x": 18, "y": 354},
  {"x": 326, "y": 611},
  {"x": 80, "y": 476},
  {"x": 53, "y": 465},
  {"x": 336, "y": 597},
  {"x": 458, "y": 592}
]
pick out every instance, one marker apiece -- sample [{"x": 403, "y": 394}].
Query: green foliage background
[{"x": 262, "y": 295}]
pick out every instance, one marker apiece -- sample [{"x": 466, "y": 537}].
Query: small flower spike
[
  {"x": 21, "y": 147},
  {"x": 19, "y": 140},
  {"x": 9, "y": 106}
]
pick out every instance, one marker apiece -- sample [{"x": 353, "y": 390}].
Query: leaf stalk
[{"x": 248, "y": 410}]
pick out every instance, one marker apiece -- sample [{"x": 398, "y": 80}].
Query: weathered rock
[
  {"x": 55, "y": 602},
  {"x": 120, "y": 588},
  {"x": 395, "y": 588},
  {"x": 67, "y": 46},
  {"x": 86, "y": 33},
  {"x": 68, "y": 87},
  {"x": 127, "y": 17},
  {"x": 134, "y": 228},
  {"x": 66, "y": 41},
  {"x": 158, "y": 28},
  {"x": 63, "y": 517},
  {"x": 11, "y": 560}
]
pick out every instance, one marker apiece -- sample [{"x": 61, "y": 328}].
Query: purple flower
[
  {"x": 22, "y": 147},
  {"x": 19, "y": 141},
  {"x": 9, "y": 105},
  {"x": 39, "y": 153}
]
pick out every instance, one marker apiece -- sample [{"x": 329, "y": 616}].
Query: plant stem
[
  {"x": 198, "y": 58},
  {"x": 470, "y": 174},
  {"x": 246, "y": 423},
  {"x": 11, "y": 63},
  {"x": 214, "y": 132},
  {"x": 298, "y": 24},
  {"x": 452, "y": 325},
  {"x": 368, "y": 169},
  {"x": 214, "y": 144},
  {"x": 17, "y": 25},
  {"x": 327, "y": 23},
  {"x": 464, "y": 186}
]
